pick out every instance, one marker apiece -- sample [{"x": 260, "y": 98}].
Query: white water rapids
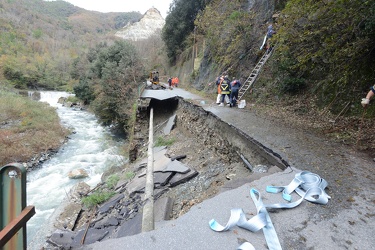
[{"x": 91, "y": 147}]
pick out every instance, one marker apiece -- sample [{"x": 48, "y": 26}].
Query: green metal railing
[{"x": 13, "y": 211}]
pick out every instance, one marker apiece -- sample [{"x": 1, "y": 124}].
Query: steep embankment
[
  {"x": 211, "y": 148},
  {"x": 307, "y": 81}
]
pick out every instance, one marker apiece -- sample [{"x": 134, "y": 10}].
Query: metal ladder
[{"x": 254, "y": 74}]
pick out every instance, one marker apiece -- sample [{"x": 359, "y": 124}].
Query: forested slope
[
  {"x": 323, "y": 57},
  {"x": 41, "y": 39},
  {"x": 322, "y": 48},
  {"x": 321, "y": 67}
]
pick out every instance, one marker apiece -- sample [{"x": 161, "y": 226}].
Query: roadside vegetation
[
  {"x": 162, "y": 141},
  {"x": 27, "y": 128},
  {"x": 97, "y": 198},
  {"x": 106, "y": 189}
]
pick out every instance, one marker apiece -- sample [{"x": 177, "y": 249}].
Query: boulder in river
[{"x": 78, "y": 174}]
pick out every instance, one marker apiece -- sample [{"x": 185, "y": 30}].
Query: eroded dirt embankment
[
  {"x": 220, "y": 152},
  {"x": 215, "y": 149}
]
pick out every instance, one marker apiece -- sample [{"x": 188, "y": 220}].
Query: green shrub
[
  {"x": 112, "y": 180},
  {"x": 73, "y": 99},
  {"x": 161, "y": 141},
  {"x": 129, "y": 175},
  {"x": 96, "y": 198},
  {"x": 292, "y": 85},
  {"x": 84, "y": 91}
]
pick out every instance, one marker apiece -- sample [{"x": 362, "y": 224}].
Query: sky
[{"x": 123, "y": 5}]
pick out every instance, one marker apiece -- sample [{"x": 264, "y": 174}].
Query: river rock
[
  {"x": 61, "y": 100},
  {"x": 78, "y": 174},
  {"x": 68, "y": 217}
]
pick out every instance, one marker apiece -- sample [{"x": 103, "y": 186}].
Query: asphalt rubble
[{"x": 345, "y": 222}]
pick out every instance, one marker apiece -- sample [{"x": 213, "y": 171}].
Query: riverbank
[{"x": 30, "y": 131}]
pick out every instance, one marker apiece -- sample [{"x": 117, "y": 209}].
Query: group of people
[
  {"x": 227, "y": 91},
  {"x": 173, "y": 82}
]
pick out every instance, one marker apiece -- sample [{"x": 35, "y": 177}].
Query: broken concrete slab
[
  {"x": 162, "y": 178},
  {"x": 176, "y": 166},
  {"x": 162, "y": 150},
  {"x": 182, "y": 178},
  {"x": 67, "y": 219},
  {"x": 106, "y": 222},
  {"x": 61, "y": 238},
  {"x": 130, "y": 227},
  {"x": 110, "y": 204},
  {"x": 136, "y": 184},
  {"x": 178, "y": 157},
  {"x": 160, "y": 161},
  {"x": 163, "y": 209},
  {"x": 91, "y": 236},
  {"x": 165, "y": 164},
  {"x": 170, "y": 124},
  {"x": 158, "y": 149}
]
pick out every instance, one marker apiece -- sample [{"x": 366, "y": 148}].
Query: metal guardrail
[{"x": 13, "y": 211}]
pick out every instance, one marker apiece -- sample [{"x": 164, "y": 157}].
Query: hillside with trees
[
  {"x": 321, "y": 48},
  {"x": 40, "y": 40},
  {"x": 322, "y": 62},
  {"x": 53, "y": 45}
]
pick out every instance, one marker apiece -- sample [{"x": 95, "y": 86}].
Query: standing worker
[
  {"x": 235, "y": 86},
  {"x": 218, "y": 82},
  {"x": 365, "y": 101},
  {"x": 170, "y": 82},
  {"x": 177, "y": 81},
  {"x": 270, "y": 33},
  {"x": 225, "y": 89}
]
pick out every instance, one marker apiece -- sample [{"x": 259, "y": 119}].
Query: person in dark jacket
[
  {"x": 235, "y": 86},
  {"x": 170, "y": 82}
]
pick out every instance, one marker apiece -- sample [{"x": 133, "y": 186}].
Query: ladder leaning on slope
[{"x": 254, "y": 74}]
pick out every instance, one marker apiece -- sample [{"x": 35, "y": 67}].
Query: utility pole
[
  {"x": 148, "y": 208},
  {"x": 193, "y": 54}
]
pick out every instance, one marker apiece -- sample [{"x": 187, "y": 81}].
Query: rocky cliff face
[{"x": 151, "y": 23}]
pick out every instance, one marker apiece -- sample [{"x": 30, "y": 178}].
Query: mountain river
[{"x": 91, "y": 147}]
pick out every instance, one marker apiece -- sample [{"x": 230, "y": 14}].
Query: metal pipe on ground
[
  {"x": 247, "y": 163},
  {"x": 148, "y": 208}
]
